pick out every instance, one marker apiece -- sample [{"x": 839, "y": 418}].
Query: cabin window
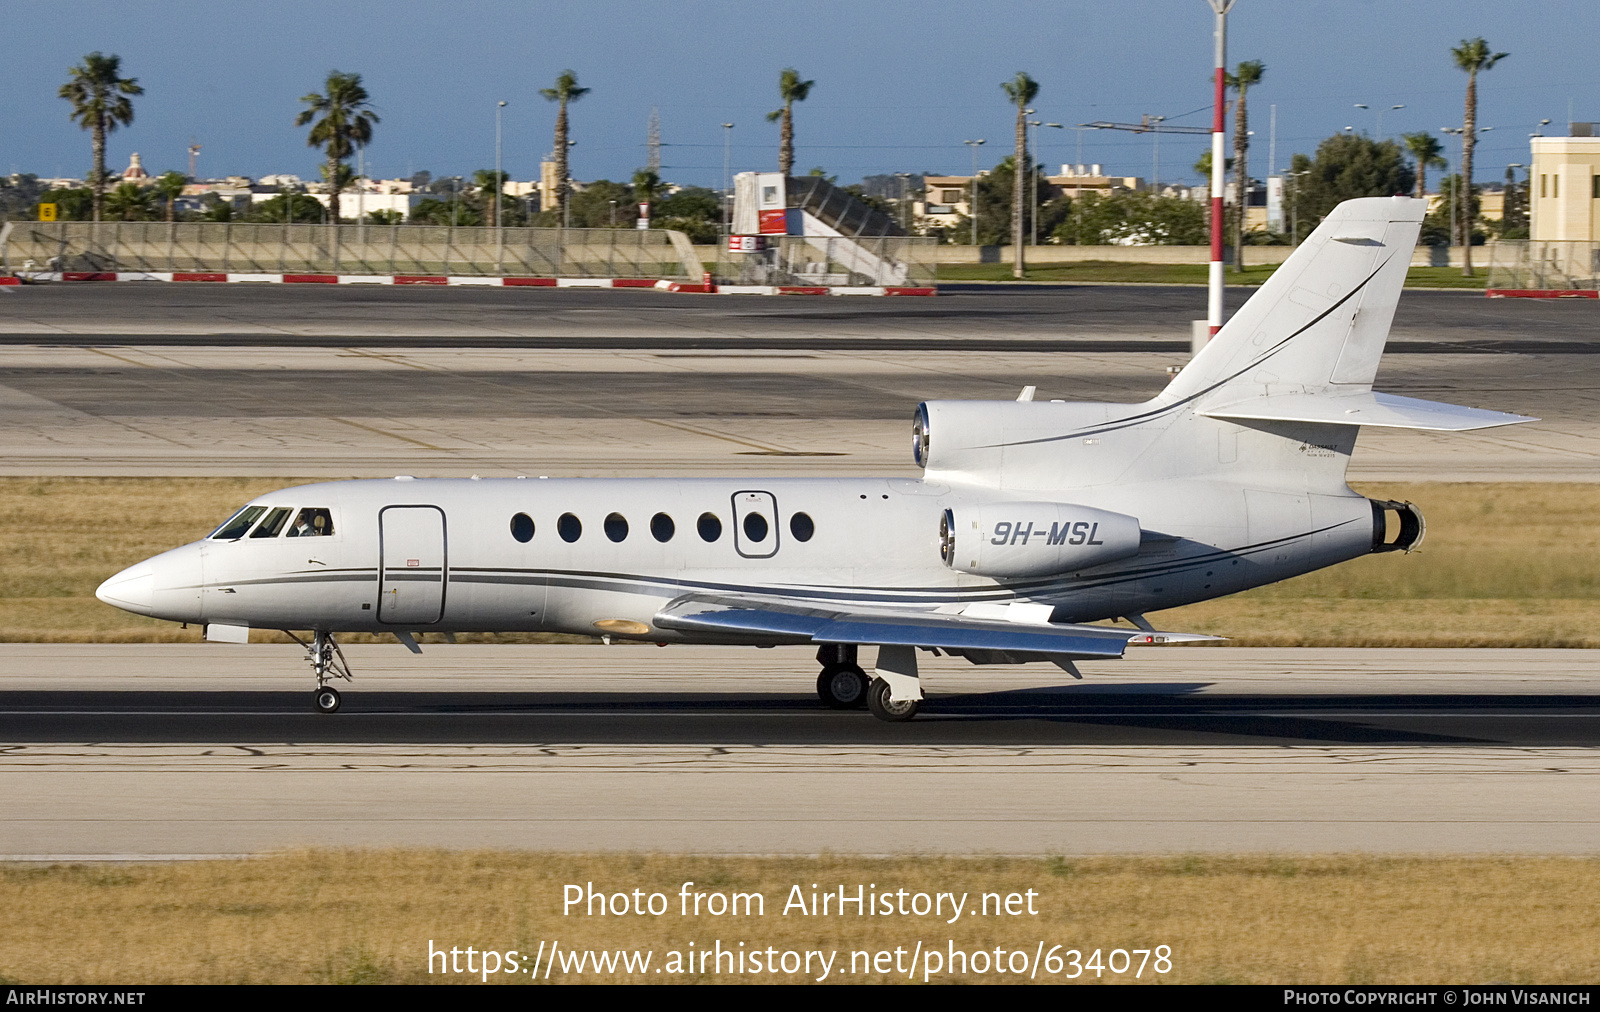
[
  {"x": 709, "y": 526},
  {"x": 569, "y": 527},
  {"x": 238, "y": 523},
  {"x": 616, "y": 527},
  {"x": 755, "y": 527},
  {"x": 662, "y": 528},
  {"x": 522, "y": 527},
  {"x": 313, "y": 522},
  {"x": 801, "y": 527},
  {"x": 273, "y": 524}
]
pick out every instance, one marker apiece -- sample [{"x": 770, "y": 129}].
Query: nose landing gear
[{"x": 327, "y": 662}]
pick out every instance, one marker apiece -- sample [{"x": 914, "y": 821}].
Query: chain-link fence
[
  {"x": 426, "y": 250},
  {"x": 833, "y": 262},
  {"x": 1544, "y": 265}
]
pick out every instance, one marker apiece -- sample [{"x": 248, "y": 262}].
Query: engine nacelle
[{"x": 1019, "y": 539}]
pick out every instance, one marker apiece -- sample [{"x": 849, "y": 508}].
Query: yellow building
[{"x": 1565, "y": 180}]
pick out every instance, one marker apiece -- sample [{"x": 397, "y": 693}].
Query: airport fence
[
  {"x": 1551, "y": 265},
  {"x": 832, "y": 262},
  {"x": 229, "y": 248}
]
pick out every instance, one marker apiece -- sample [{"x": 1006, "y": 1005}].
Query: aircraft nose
[{"x": 133, "y": 589}]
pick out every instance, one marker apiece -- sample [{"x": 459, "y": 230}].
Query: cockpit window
[
  {"x": 274, "y": 522},
  {"x": 313, "y": 522},
  {"x": 238, "y": 523}
]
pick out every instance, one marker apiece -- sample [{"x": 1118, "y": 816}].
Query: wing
[{"x": 781, "y": 620}]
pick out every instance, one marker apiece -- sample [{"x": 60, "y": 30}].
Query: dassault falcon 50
[{"x": 1031, "y": 521}]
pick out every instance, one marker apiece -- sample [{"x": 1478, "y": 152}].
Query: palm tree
[
  {"x": 1471, "y": 56},
  {"x": 791, "y": 89},
  {"x": 128, "y": 202},
  {"x": 1429, "y": 153},
  {"x": 170, "y": 185},
  {"x": 346, "y": 124},
  {"x": 100, "y": 104},
  {"x": 491, "y": 186},
  {"x": 1021, "y": 90},
  {"x": 1240, "y": 80},
  {"x": 566, "y": 90}
]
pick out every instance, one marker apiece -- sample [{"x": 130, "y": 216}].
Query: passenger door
[
  {"x": 755, "y": 524},
  {"x": 411, "y": 565}
]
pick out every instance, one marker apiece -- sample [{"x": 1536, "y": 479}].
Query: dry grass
[
  {"x": 1503, "y": 565},
  {"x": 367, "y": 916}
]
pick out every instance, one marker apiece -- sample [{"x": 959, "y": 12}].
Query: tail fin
[{"x": 1320, "y": 322}]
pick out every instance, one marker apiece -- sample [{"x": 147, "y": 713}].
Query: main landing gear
[
  {"x": 327, "y": 662},
  {"x": 842, "y": 684}
]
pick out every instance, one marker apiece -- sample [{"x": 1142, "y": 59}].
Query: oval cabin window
[
  {"x": 662, "y": 528},
  {"x": 755, "y": 527},
  {"x": 801, "y": 527},
  {"x": 569, "y": 527},
  {"x": 522, "y": 527},
  {"x": 710, "y": 527},
  {"x": 616, "y": 527}
]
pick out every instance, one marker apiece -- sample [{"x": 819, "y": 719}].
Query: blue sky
[{"x": 899, "y": 85}]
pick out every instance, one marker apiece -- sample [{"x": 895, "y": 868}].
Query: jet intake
[{"x": 1020, "y": 539}]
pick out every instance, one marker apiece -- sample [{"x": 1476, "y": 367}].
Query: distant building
[
  {"x": 945, "y": 200},
  {"x": 1077, "y": 180},
  {"x": 134, "y": 171},
  {"x": 1564, "y": 178}
]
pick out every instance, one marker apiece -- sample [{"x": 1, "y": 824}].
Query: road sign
[{"x": 47, "y": 212}]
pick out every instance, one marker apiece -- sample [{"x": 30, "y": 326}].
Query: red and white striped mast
[{"x": 1218, "y": 164}]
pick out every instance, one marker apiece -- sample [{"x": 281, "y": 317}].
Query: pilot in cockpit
[{"x": 312, "y": 523}]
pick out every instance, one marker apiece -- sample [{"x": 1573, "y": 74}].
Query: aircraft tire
[
  {"x": 842, "y": 687},
  {"x": 884, "y": 708},
  {"x": 327, "y": 699}
]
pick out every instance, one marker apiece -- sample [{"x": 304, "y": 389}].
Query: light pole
[
  {"x": 497, "y": 109},
  {"x": 1033, "y": 196},
  {"x": 1380, "y": 111},
  {"x": 566, "y": 206},
  {"x": 1294, "y": 200},
  {"x": 727, "y": 198},
  {"x": 499, "y": 233},
  {"x": 973, "y": 187},
  {"x": 1155, "y": 163},
  {"x": 1219, "y": 128},
  {"x": 1510, "y": 188}
]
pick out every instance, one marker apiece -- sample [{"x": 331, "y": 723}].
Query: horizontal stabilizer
[
  {"x": 808, "y": 623},
  {"x": 1365, "y": 408}
]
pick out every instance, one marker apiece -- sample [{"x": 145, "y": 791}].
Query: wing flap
[
  {"x": 1366, "y": 408},
  {"x": 794, "y": 623}
]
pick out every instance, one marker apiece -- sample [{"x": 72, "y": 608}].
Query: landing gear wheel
[
  {"x": 884, "y": 708},
  {"x": 842, "y": 687},
  {"x": 327, "y": 699}
]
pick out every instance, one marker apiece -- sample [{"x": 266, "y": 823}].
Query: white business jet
[{"x": 1031, "y": 519}]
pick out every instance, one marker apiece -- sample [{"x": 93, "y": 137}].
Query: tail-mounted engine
[
  {"x": 1411, "y": 526},
  {"x": 1018, "y": 539}
]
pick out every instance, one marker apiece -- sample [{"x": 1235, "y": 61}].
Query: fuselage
[{"x": 603, "y": 556}]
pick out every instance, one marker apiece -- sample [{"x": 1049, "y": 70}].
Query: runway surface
[
  {"x": 287, "y": 315},
  {"x": 371, "y": 412},
  {"x": 206, "y": 749}
]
